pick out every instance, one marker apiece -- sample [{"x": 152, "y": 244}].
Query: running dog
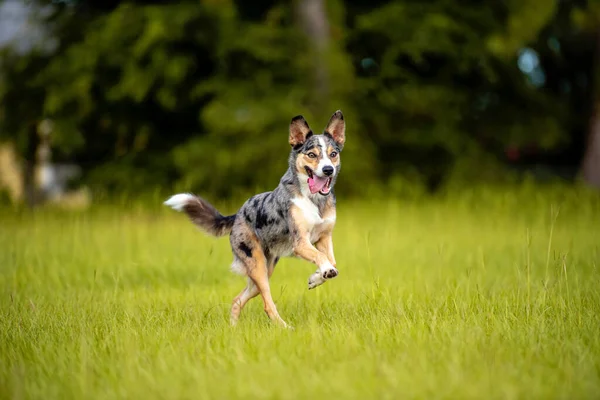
[{"x": 296, "y": 219}]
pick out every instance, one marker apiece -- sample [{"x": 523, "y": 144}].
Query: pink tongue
[{"x": 316, "y": 184}]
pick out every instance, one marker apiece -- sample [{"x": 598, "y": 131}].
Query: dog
[{"x": 296, "y": 219}]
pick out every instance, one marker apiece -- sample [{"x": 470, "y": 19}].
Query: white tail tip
[{"x": 178, "y": 201}]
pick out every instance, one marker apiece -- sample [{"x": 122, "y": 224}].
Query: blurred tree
[
  {"x": 200, "y": 93},
  {"x": 313, "y": 19},
  {"x": 567, "y": 48},
  {"x": 440, "y": 82},
  {"x": 146, "y": 94},
  {"x": 590, "y": 23},
  {"x": 125, "y": 87}
]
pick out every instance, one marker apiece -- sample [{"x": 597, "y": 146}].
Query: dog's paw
[
  {"x": 330, "y": 273},
  {"x": 315, "y": 280},
  {"x": 321, "y": 276}
]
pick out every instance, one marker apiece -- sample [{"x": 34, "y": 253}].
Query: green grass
[{"x": 483, "y": 294}]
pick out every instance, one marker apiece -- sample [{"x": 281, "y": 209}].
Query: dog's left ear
[
  {"x": 299, "y": 131},
  {"x": 336, "y": 128}
]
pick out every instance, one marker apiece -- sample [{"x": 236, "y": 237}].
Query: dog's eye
[
  {"x": 333, "y": 154},
  {"x": 312, "y": 155}
]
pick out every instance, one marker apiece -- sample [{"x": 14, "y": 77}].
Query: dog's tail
[{"x": 202, "y": 213}]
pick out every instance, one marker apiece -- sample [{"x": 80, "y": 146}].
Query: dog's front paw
[
  {"x": 315, "y": 280},
  {"x": 330, "y": 273},
  {"x": 322, "y": 275}
]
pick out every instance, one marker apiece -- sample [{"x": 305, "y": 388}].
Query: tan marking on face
[
  {"x": 305, "y": 160},
  {"x": 333, "y": 155}
]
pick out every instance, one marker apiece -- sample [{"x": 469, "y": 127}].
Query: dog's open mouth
[{"x": 316, "y": 184}]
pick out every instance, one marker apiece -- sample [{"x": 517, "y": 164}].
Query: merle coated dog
[{"x": 295, "y": 219}]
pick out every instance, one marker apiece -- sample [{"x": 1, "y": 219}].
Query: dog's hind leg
[
  {"x": 260, "y": 275},
  {"x": 249, "y": 253},
  {"x": 240, "y": 301},
  {"x": 249, "y": 292}
]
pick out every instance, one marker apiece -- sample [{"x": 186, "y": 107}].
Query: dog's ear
[
  {"x": 299, "y": 131},
  {"x": 336, "y": 128}
]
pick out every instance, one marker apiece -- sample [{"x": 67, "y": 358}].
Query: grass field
[{"x": 487, "y": 295}]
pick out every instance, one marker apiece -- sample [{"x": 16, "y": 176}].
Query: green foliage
[
  {"x": 441, "y": 90},
  {"x": 199, "y": 94},
  {"x": 134, "y": 69}
]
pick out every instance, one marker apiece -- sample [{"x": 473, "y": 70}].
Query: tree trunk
[
  {"x": 312, "y": 17},
  {"x": 591, "y": 159}
]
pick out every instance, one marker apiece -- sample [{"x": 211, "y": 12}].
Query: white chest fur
[{"x": 315, "y": 224}]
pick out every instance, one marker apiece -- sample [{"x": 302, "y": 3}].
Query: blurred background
[{"x": 105, "y": 98}]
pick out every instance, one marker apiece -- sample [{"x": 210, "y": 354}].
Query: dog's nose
[{"x": 328, "y": 170}]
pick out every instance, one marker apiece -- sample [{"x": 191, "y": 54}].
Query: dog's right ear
[{"x": 299, "y": 131}]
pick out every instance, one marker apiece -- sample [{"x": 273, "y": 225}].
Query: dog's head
[{"x": 316, "y": 158}]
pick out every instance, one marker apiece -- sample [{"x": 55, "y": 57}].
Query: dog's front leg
[
  {"x": 327, "y": 270},
  {"x": 303, "y": 248},
  {"x": 325, "y": 246}
]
